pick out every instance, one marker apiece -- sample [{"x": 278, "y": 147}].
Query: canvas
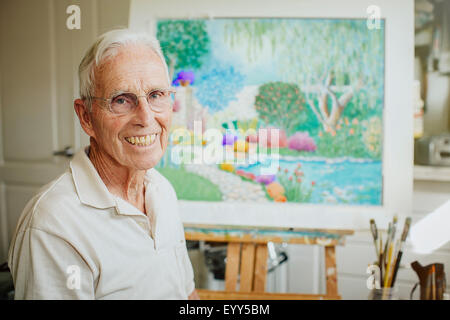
[{"x": 287, "y": 110}]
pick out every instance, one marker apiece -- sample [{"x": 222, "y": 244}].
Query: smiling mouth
[{"x": 142, "y": 141}]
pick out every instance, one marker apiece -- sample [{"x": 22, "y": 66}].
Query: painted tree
[
  {"x": 217, "y": 87},
  {"x": 330, "y": 60},
  {"x": 184, "y": 42},
  {"x": 281, "y": 104}
]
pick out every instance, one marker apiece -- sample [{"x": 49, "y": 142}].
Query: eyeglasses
[{"x": 159, "y": 100}]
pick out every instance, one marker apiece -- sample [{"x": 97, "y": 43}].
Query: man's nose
[{"x": 144, "y": 115}]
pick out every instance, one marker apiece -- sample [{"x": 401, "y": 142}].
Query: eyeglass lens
[{"x": 158, "y": 100}]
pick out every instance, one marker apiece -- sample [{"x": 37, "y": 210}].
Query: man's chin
[{"x": 145, "y": 164}]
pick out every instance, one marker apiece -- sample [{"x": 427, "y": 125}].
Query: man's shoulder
[{"x": 52, "y": 201}]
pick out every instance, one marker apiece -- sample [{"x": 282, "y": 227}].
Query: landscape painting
[{"x": 287, "y": 110}]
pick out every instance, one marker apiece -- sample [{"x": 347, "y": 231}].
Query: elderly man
[{"x": 108, "y": 228}]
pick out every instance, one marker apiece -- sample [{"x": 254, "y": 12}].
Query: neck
[{"x": 124, "y": 182}]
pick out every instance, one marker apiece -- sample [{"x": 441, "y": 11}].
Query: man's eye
[
  {"x": 156, "y": 95},
  {"x": 121, "y": 100}
]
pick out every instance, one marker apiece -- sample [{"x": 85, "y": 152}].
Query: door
[{"x": 39, "y": 57}]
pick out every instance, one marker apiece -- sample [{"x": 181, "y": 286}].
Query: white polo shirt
[{"x": 75, "y": 240}]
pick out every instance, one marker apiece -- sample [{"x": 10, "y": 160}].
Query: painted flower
[
  {"x": 241, "y": 146},
  {"x": 301, "y": 141},
  {"x": 275, "y": 190},
  {"x": 229, "y": 139},
  {"x": 265, "y": 137},
  {"x": 244, "y": 174},
  {"x": 280, "y": 198},
  {"x": 266, "y": 179},
  {"x": 250, "y": 176},
  {"x": 226, "y": 167},
  {"x": 184, "y": 78},
  {"x": 251, "y": 138}
]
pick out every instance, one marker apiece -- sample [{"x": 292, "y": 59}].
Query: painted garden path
[{"x": 232, "y": 187}]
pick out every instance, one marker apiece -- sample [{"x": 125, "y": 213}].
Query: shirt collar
[
  {"x": 90, "y": 187},
  {"x": 93, "y": 192}
]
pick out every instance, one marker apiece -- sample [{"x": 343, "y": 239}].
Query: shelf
[{"x": 431, "y": 173}]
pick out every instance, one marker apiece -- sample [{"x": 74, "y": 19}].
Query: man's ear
[{"x": 84, "y": 116}]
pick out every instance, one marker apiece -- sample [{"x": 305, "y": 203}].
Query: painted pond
[{"x": 349, "y": 181}]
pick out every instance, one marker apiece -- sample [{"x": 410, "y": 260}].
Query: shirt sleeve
[
  {"x": 48, "y": 267},
  {"x": 189, "y": 272}
]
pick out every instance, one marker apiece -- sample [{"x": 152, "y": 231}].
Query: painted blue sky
[{"x": 263, "y": 70}]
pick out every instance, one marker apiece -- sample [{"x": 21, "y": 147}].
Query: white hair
[{"x": 106, "y": 46}]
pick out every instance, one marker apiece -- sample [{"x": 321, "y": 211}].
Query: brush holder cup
[{"x": 384, "y": 294}]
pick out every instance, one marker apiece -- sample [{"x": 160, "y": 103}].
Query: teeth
[{"x": 143, "y": 140}]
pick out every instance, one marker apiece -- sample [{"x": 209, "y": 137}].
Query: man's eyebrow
[
  {"x": 121, "y": 91},
  {"x": 117, "y": 92}
]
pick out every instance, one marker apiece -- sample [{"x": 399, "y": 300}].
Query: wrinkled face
[{"x": 139, "y": 139}]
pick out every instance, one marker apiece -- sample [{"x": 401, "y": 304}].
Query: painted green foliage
[
  {"x": 339, "y": 66},
  {"x": 345, "y": 48},
  {"x": 281, "y": 104},
  {"x": 184, "y": 43}
]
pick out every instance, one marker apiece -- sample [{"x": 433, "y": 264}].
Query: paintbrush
[
  {"x": 394, "y": 261},
  {"x": 433, "y": 281},
  {"x": 386, "y": 245},
  {"x": 390, "y": 237},
  {"x": 380, "y": 260},
  {"x": 373, "y": 228},
  {"x": 394, "y": 227},
  {"x": 400, "y": 251},
  {"x": 388, "y": 267}
]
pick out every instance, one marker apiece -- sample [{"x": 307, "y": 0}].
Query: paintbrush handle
[
  {"x": 406, "y": 229},
  {"x": 397, "y": 266},
  {"x": 380, "y": 260}
]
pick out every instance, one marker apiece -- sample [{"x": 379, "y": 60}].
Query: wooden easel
[{"x": 247, "y": 256}]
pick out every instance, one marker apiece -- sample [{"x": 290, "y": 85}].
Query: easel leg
[
  {"x": 259, "y": 283},
  {"x": 330, "y": 270},
  {"x": 232, "y": 267},
  {"x": 247, "y": 267}
]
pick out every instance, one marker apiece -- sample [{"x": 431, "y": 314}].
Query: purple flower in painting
[
  {"x": 301, "y": 141},
  {"x": 266, "y": 179},
  {"x": 228, "y": 139},
  {"x": 184, "y": 78}
]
